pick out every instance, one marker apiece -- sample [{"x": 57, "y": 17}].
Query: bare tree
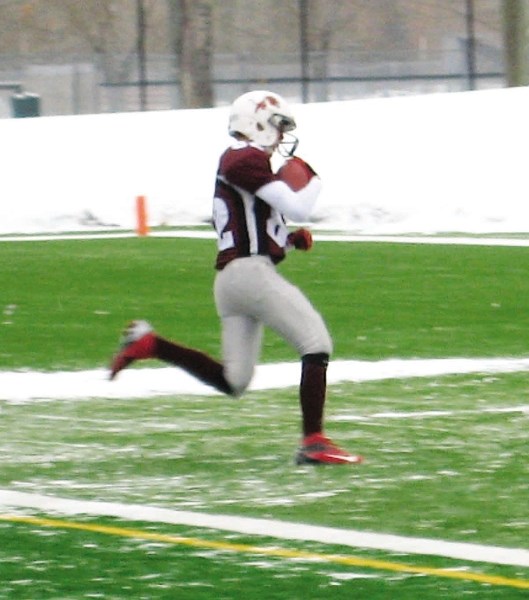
[
  {"x": 101, "y": 27},
  {"x": 192, "y": 36},
  {"x": 516, "y": 34},
  {"x": 323, "y": 28}
]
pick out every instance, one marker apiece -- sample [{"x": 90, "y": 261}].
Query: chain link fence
[{"x": 87, "y": 85}]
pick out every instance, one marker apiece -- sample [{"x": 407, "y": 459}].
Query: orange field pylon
[{"x": 142, "y": 227}]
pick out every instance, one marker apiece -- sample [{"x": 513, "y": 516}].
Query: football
[{"x": 296, "y": 173}]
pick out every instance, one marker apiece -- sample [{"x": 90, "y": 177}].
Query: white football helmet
[{"x": 264, "y": 118}]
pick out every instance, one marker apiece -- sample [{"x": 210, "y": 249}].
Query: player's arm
[
  {"x": 296, "y": 206},
  {"x": 248, "y": 167},
  {"x": 303, "y": 187}
]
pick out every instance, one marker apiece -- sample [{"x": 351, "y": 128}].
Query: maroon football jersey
[{"x": 245, "y": 224}]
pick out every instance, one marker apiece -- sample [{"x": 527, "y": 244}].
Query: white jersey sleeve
[{"x": 296, "y": 206}]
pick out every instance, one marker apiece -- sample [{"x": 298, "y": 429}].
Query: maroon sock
[
  {"x": 196, "y": 363},
  {"x": 312, "y": 391}
]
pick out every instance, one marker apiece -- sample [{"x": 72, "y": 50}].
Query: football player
[{"x": 250, "y": 205}]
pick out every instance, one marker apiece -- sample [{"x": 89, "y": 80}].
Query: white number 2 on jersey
[{"x": 221, "y": 218}]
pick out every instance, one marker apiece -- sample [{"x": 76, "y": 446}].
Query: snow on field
[
  {"x": 26, "y": 386},
  {"x": 441, "y": 162}
]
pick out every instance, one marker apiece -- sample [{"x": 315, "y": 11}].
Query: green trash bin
[{"x": 25, "y": 105}]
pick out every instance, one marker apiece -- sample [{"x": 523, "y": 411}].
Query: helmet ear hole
[{"x": 259, "y": 127}]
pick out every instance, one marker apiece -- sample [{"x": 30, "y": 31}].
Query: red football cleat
[
  {"x": 137, "y": 341},
  {"x": 317, "y": 449}
]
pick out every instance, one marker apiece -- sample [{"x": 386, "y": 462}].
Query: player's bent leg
[
  {"x": 289, "y": 312},
  {"x": 316, "y": 448},
  {"x": 312, "y": 391},
  {"x": 139, "y": 341},
  {"x": 241, "y": 347},
  {"x": 206, "y": 369}
]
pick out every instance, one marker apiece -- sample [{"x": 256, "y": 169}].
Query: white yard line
[
  {"x": 318, "y": 237},
  {"x": 269, "y": 528},
  {"x": 27, "y": 386}
]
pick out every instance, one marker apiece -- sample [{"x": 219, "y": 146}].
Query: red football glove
[{"x": 301, "y": 239}]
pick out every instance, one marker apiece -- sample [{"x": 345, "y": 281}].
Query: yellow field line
[{"x": 351, "y": 561}]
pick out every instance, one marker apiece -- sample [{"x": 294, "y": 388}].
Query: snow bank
[{"x": 441, "y": 162}]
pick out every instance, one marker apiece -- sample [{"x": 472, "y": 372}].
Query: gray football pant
[{"x": 250, "y": 294}]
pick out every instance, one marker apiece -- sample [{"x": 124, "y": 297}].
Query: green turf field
[
  {"x": 446, "y": 456},
  {"x": 381, "y": 300}
]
